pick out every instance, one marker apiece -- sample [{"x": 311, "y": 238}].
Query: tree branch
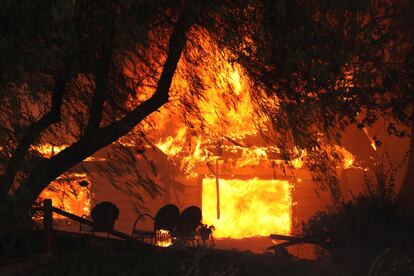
[
  {"x": 101, "y": 76},
  {"x": 46, "y": 172},
  {"x": 52, "y": 116}
]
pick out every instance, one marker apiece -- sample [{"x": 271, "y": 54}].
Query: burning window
[{"x": 248, "y": 208}]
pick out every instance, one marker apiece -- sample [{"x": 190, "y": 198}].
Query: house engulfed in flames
[{"x": 224, "y": 167}]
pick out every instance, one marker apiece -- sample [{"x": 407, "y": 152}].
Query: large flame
[
  {"x": 248, "y": 208},
  {"x": 229, "y": 140},
  {"x": 229, "y": 122},
  {"x": 223, "y": 115},
  {"x": 224, "y": 129}
]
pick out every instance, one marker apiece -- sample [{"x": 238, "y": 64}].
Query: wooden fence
[{"x": 48, "y": 210}]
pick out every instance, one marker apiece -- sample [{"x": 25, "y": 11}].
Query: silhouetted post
[{"x": 47, "y": 225}]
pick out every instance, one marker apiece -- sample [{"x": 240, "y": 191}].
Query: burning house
[{"x": 216, "y": 159}]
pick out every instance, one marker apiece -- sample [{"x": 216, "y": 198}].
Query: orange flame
[
  {"x": 163, "y": 238},
  {"x": 371, "y": 140},
  {"x": 248, "y": 208},
  {"x": 227, "y": 112},
  {"x": 66, "y": 194},
  {"x": 49, "y": 150},
  {"x": 347, "y": 159}
]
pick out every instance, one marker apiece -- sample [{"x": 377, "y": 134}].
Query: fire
[
  {"x": 221, "y": 136},
  {"x": 65, "y": 191},
  {"x": 251, "y": 157},
  {"x": 68, "y": 195},
  {"x": 172, "y": 145},
  {"x": 371, "y": 140},
  {"x": 221, "y": 130},
  {"x": 163, "y": 238},
  {"x": 248, "y": 208},
  {"x": 223, "y": 111},
  {"x": 49, "y": 150},
  {"x": 347, "y": 158},
  {"x": 224, "y": 117}
]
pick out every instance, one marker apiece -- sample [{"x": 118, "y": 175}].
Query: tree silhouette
[
  {"x": 320, "y": 67},
  {"x": 86, "y": 73}
]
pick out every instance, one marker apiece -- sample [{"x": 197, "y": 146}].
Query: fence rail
[{"x": 49, "y": 209}]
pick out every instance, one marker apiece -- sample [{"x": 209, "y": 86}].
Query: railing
[{"x": 49, "y": 209}]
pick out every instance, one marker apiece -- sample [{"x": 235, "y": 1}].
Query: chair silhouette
[
  {"x": 104, "y": 215},
  {"x": 188, "y": 222},
  {"x": 142, "y": 234},
  {"x": 165, "y": 219}
]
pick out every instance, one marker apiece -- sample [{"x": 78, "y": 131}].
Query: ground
[{"x": 74, "y": 256}]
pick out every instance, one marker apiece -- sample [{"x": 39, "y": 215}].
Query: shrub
[{"x": 355, "y": 232}]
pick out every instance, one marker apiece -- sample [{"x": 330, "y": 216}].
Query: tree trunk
[
  {"x": 98, "y": 138},
  {"x": 14, "y": 208}
]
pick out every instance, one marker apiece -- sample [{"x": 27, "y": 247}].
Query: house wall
[{"x": 305, "y": 197}]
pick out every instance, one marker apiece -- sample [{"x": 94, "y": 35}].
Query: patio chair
[
  {"x": 104, "y": 214},
  {"x": 165, "y": 219},
  {"x": 188, "y": 222},
  {"x": 143, "y": 234}
]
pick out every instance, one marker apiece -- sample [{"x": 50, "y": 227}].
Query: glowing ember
[
  {"x": 248, "y": 208},
  {"x": 49, "y": 150},
  {"x": 372, "y": 141},
  {"x": 163, "y": 238},
  {"x": 346, "y": 157}
]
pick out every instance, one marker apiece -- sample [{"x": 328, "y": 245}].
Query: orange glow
[
  {"x": 172, "y": 145},
  {"x": 223, "y": 117},
  {"x": 163, "y": 238},
  {"x": 347, "y": 159},
  {"x": 68, "y": 195},
  {"x": 227, "y": 114},
  {"x": 49, "y": 150},
  {"x": 65, "y": 192},
  {"x": 372, "y": 142},
  {"x": 225, "y": 109},
  {"x": 251, "y": 157},
  {"x": 248, "y": 208}
]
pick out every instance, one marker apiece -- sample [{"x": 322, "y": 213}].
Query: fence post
[{"x": 47, "y": 225}]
